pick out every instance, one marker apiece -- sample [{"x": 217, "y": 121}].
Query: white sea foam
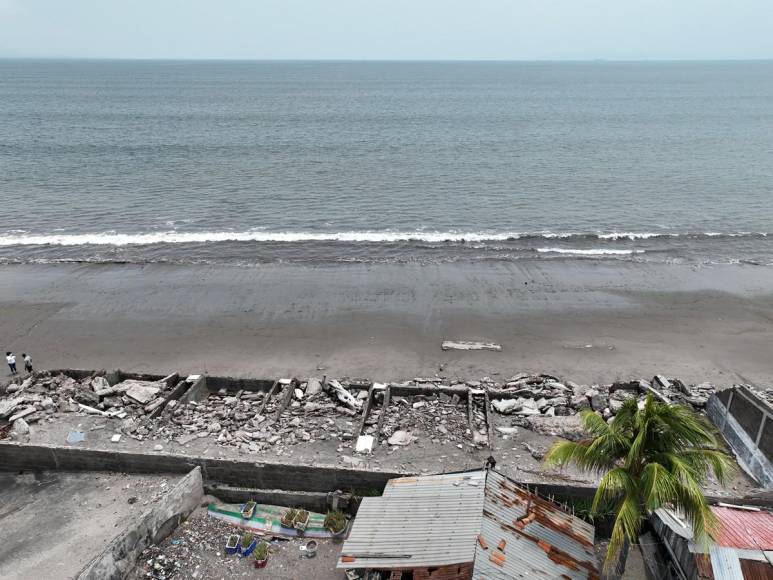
[
  {"x": 174, "y": 237},
  {"x": 16, "y": 237},
  {"x": 589, "y": 252}
]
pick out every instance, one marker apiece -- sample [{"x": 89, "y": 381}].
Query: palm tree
[{"x": 654, "y": 455}]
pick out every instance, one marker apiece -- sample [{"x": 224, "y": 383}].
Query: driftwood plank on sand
[{"x": 470, "y": 345}]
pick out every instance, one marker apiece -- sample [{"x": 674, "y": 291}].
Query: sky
[{"x": 388, "y": 29}]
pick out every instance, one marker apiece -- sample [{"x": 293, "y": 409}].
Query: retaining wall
[
  {"x": 120, "y": 555},
  {"x": 16, "y": 456},
  {"x": 746, "y": 422}
]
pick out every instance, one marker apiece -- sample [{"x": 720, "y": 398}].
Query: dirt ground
[{"x": 196, "y": 549}]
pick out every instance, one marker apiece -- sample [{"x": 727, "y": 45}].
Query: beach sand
[{"x": 583, "y": 320}]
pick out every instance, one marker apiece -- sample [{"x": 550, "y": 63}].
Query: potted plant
[
  {"x": 301, "y": 520},
  {"x": 261, "y": 554},
  {"x": 335, "y": 522},
  {"x": 248, "y": 544},
  {"x": 248, "y": 509},
  {"x": 288, "y": 518},
  {"x": 232, "y": 544}
]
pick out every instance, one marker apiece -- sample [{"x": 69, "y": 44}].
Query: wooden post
[
  {"x": 489, "y": 424},
  {"x": 384, "y": 409},
  {"x": 267, "y": 397},
  {"x": 365, "y": 411}
]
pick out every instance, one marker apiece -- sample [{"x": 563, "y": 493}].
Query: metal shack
[
  {"x": 742, "y": 548},
  {"x": 472, "y": 525}
]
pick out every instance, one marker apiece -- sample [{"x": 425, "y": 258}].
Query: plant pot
[
  {"x": 338, "y": 537},
  {"x": 288, "y": 519},
  {"x": 301, "y": 524},
  {"x": 249, "y": 549},
  {"x": 261, "y": 563},
  {"x": 233, "y": 544},
  {"x": 248, "y": 509}
]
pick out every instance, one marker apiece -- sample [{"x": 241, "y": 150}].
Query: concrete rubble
[
  {"x": 349, "y": 412},
  {"x": 44, "y": 397}
]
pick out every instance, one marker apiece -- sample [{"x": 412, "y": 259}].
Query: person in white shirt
[
  {"x": 11, "y": 359},
  {"x": 27, "y": 362}
]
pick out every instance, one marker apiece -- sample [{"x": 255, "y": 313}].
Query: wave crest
[{"x": 17, "y": 238}]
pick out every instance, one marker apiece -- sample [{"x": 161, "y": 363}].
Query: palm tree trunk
[{"x": 616, "y": 571}]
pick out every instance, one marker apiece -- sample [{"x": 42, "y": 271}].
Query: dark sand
[{"x": 386, "y": 322}]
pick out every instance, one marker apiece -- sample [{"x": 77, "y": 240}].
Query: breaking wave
[
  {"x": 17, "y": 238},
  {"x": 589, "y": 252}
]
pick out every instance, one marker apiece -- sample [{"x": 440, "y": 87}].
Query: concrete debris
[
  {"x": 46, "y": 396},
  {"x": 343, "y": 396},
  {"x": 566, "y": 427},
  {"x": 364, "y": 444},
  {"x": 507, "y": 406},
  {"x": 20, "y": 429},
  {"x": 468, "y": 345},
  {"x": 401, "y": 438},
  {"x": 141, "y": 391},
  {"x": 425, "y": 410}
]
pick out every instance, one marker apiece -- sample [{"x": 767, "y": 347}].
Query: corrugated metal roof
[
  {"x": 675, "y": 522},
  {"x": 525, "y": 536},
  {"x": 725, "y": 564},
  {"x": 419, "y": 521},
  {"x": 744, "y": 529}
]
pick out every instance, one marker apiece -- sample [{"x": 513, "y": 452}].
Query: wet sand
[{"x": 587, "y": 321}]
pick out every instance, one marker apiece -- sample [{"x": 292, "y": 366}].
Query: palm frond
[
  {"x": 580, "y": 453},
  {"x": 718, "y": 462},
  {"x": 615, "y": 483},
  {"x": 658, "y": 486}
]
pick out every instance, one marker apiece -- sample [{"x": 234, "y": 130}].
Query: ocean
[{"x": 337, "y": 162}]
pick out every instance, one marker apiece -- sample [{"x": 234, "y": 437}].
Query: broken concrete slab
[
  {"x": 470, "y": 345},
  {"x": 507, "y": 406},
  {"x": 21, "y": 414},
  {"x": 401, "y": 438},
  {"x": 567, "y": 427},
  {"x": 364, "y": 444},
  {"x": 142, "y": 393}
]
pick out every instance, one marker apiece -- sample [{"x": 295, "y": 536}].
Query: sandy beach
[{"x": 586, "y": 321}]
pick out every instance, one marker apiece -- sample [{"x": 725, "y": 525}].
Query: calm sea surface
[{"x": 250, "y": 162}]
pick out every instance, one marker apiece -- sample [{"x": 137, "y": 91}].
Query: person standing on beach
[
  {"x": 27, "y": 362},
  {"x": 11, "y": 359}
]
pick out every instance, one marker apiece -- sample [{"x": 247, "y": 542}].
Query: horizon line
[{"x": 384, "y": 60}]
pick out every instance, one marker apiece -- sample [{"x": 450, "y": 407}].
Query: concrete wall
[
  {"x": 313, "y": 501},
  {"x": 120, "y": 555},
  {"x": 746, "y": 422},
  {"x": 16, "y": 456}
]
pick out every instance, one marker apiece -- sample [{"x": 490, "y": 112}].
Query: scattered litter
[
  {"x": 75, "y": 437},
  {"x": 116, "y": 438},
  {"x": 364, "y": 444}
]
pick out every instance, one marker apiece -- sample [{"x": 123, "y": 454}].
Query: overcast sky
[{"x": 388, "y": 29}]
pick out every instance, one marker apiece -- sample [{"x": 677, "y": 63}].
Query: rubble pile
[
  {"x": 43, "y": 396},
  {"x": 254, "y": 421},
  {"x": 295, "y": 412},
  {"x": 440, "y": 418},
  {"x": 764, "y": 394}
]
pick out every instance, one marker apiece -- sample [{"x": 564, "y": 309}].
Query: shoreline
[{"x": 586, "y": 321}]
